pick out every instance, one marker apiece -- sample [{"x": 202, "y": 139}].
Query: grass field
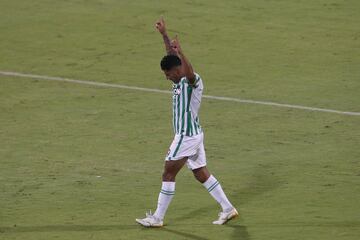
[{"x": 82, "y": 162}]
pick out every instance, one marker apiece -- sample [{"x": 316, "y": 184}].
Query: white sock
[
  {"x": 214, "y": 188},
  {"x": 165, "y": 196}
]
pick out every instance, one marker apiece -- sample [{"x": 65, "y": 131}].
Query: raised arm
[
  {"x": 188, "y": 70},
  {"x": 160, "y": 25}
]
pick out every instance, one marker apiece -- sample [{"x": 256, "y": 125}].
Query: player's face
[{"x": 173, "y": 74}]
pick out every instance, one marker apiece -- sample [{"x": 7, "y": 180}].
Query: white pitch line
[{"x": 230, "y": 99}]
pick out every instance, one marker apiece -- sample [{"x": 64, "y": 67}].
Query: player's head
[{"x": 171, "y": 66}]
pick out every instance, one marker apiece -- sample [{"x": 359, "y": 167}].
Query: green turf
[{"x": 292, "y": 174}]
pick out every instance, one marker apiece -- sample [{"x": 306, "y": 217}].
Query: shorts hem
[
  {"x": 197, "y": 167},
  {"x": 175, "y": 158}
]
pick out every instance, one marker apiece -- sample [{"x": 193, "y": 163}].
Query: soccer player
[{"x": 187, "y": 146}]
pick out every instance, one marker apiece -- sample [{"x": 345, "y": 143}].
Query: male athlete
[{"x": 187, "y": 146}]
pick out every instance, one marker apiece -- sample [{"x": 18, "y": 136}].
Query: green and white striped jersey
[{"x": 186, "y": 105}]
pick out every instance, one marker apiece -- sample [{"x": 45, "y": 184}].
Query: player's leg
[
  {"x": 198, "y": 165},
  {"x": 181, "y": 147},
  {"x": 213, "y": 186},
  {"x": 167, "y": 192},
  {"x": 171, "y": 169}
]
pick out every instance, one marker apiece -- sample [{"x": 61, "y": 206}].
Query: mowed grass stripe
[{"x": 220, "y": 98}]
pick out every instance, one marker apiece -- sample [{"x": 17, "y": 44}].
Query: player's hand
[
  {"x": 160, "y": 26},
  {"x": 175, "y": 45}
]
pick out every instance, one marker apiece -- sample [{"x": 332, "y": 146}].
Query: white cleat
[
  {"x": 224, "y": 217},
  {"x": 150, "y": 221}
]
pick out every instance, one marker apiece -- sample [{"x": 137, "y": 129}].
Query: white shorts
[{"x": 190, "y": 147}]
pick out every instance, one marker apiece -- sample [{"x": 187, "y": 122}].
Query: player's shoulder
[
  {"x": 197, "y": 79},
  {"x": 197, "y": 75}
]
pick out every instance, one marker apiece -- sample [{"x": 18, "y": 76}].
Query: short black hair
[{"x": 170, "y": 61}]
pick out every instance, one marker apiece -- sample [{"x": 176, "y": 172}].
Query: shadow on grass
[
  {"x": 70, "y": 228},
  {"x": 187, "y": 235},
  {"x": 262, "y": 180},
  {"x": 195, "y": 213},
  {"x": 240, "y": 232}
]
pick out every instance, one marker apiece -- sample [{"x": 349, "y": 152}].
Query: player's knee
[
  {"x": 201, "y": 174},
  {"x": 168, "y": 176},
  {"x": 200, "y": 178}
]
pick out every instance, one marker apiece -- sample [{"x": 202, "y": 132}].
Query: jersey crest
[{"x": 176, "y": 90}]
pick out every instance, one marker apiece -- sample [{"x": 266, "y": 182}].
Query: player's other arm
[
  {"x": 160, "y": 26},
  {"x": 188, "y": 69}
]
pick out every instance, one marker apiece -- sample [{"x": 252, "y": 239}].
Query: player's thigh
[{"x": 174, "y": 166}]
